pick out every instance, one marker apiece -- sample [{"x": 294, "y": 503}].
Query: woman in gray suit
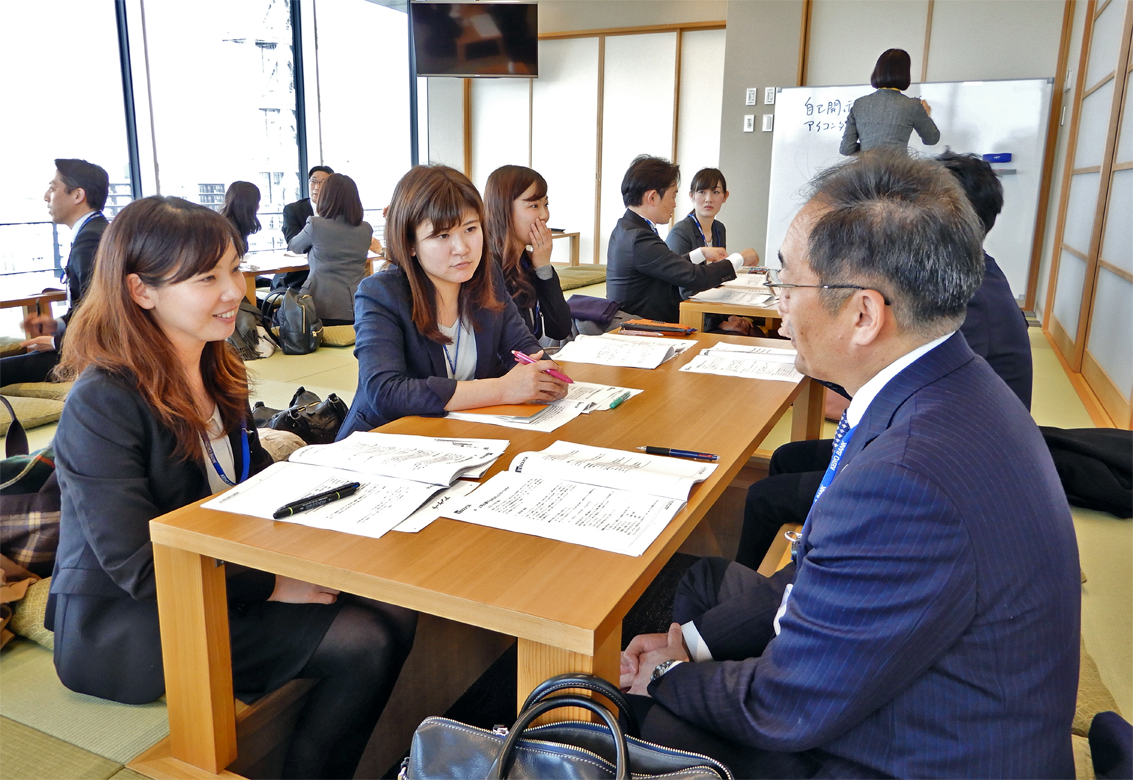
[
  {"x": 336, "y": 242},
  {"x": 887, "y": 118}
]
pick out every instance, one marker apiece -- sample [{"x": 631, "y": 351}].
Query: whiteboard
[{"x": 979, "y": 117}]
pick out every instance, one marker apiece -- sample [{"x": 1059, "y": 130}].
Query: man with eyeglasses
[
  {"x": 295, "y": 217},
  {"x": 929, "y": 623}
]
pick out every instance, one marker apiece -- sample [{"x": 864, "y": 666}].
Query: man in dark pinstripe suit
[{"x": 929, "y": 625}]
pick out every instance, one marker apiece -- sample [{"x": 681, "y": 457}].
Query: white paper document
[
  {"x": 589, "y": 397},
  {"x": 763, "y": 353},
  {"x": 620, "y": 469},
  {"x": 549, "y": 418},
  {"x": 749, "y": 281},
  {"x": 746, "y": 296},
  {"x": 640, "y": 353},
  {"x": 440, "y": 504},
  {"x": 741, "y": 365},
  {"x": 613, "y": 520},
  {"x": 420, "y": 458},
  {"x": 678, "y": 345},
  {"x": 379, "y": 504},
  {"x": 609, "y": 499}
]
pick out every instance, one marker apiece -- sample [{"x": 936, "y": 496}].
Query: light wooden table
[
  {"x": 693, "y": 311},
  {"x": 31, "y": 301},
  {"x": 573, "y": 238},
  {"x": 564, "y": 602},
  {"x": 263, "y": 263}
]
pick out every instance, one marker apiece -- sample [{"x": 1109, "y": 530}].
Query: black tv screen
[{"x": 476, "y": 39}]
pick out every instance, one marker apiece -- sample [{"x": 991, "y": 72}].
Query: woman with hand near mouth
[
  {"x": 157, "y": 419},
  {"x": 436, "y": 329}
]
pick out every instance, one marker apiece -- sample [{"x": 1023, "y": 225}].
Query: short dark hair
[
  {"x": 903, "y": 226},
  {"x": 339, "y": 198},
  {"x": 980, "y": 183},
  {"x": 320, "y": 169},
  {"x": 708, "y": 178},
  {"x": 893, "y": 70},
  {"x": 92, "y": 178},
  {"x": 241, "y": 204},
  {"x": 647, "y": 173}
]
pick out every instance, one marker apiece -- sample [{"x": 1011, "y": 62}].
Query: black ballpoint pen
[
  {"x": 317, "y": 500},
  {"x": 679, "y": 453}
]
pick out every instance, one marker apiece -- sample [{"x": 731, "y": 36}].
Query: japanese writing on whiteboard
[{"x": 824, "y": 115}]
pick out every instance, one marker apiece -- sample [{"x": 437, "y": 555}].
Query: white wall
[
  {"x": 446, "y": 122},
  {"x": 847, "y": 37},
  {"x": 574, "y": 15}
]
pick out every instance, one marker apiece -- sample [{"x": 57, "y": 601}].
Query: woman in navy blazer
[
  {"x": 159, "y": 419},
  {"x": 435, "y": 332}
]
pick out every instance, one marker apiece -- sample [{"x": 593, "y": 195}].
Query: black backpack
[{"x": 299, "y": 330}]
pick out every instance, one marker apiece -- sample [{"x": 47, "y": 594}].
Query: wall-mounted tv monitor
[{"x": 476, "y": 39}]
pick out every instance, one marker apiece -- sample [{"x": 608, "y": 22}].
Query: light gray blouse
[{"x": 886, "y": 118}]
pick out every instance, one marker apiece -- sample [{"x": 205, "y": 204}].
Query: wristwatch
[{"x": 663, "y": 667}]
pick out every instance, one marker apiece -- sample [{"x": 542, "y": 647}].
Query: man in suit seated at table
[
  {"x": 295, "y": 217},
  {"x": 930, "y": 625},
  {"x": 642, "y": 273},
  {"x": 75, "y": 198},
  {"x": 994, "y": 328}
]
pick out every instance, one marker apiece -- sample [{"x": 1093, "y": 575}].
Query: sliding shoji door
[{"x": 1090, "y": 314}]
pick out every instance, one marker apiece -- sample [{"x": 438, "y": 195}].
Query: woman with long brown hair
[
  {"x": 515, "y": 199},
  {"x": 157, "y": 419},
  {"x": 336, "y": 242},
  {"x": 435, "y": 331}
]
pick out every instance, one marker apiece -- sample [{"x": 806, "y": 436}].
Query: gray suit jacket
[
  {"x": 886, "y": 118},
  {"x": 336, "y": 255}
]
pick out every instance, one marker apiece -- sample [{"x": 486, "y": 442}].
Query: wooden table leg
[
  {"x": 691, "y": 319},
  {"x": 193, "y": 610},
  {"x": 574, "y": 242},
  {"x": 806, "y": 417},
  {"x": 250, "y": 281},
  {"x": 537, "y": 662}
]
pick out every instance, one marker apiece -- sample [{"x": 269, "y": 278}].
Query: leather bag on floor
[
  {"x": 29, "y": 502},
  {"x": 311, "y": 419},
  {"x": 444, "y": 748},
  {"x": 300, "y": 331}
]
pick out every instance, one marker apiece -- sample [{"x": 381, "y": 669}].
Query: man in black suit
[
  {"x": 295, "y": 217},
  {"x": 642, "y": 273},
  {"x": 994, "y": 327},
  {"x": 75, "y": 198}
]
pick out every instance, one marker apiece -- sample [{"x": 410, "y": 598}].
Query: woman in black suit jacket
[
  {"x": 435, "y": 332},
  {"x": 158, "y": 419},
  {"x": 515, "y": 199}
]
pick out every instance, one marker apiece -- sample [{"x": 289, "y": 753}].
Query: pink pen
[{"x": 529, "y": 360}]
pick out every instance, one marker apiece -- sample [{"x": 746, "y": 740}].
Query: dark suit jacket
[
  {"x": 686, "y": 236},
  {"x": 294, "y": 218},
  {"x": 400, "y": 372},
  {"x": 644, "y": 275},
  {"x": 933, "y": 625},
  {"x": 996, "y": 330},
  {"x": 554, "y": 320},
  {"x": 80, "y": 262},
  {"x": 117, "y": 471}
]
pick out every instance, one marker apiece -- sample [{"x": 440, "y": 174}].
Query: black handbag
[
  {"x": 311, "y": 419},
  {"x": 443, "y": 748},
  {"x": 246, "y": 337},
  {"x": 300, "y": 331}
]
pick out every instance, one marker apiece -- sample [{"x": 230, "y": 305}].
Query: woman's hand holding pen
[
  {"x": 540, "y": 240},
  {"x": 530, "y": 382},
  {"x": 290, "y": 591}
]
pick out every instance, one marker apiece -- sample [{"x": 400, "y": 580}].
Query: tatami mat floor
[{"x": 1105, "y": 547}]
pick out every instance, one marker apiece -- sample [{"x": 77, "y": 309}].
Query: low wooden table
[
  {"x": 32, "y": 302},
  {"x": 565, "y": 603},
  {"x": 573, "y": 238},
  {"x": 693, "y": 311},
  {"x": 264, "y": 263}
]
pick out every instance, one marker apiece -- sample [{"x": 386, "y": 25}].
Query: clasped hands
[
  {"x": 715, "y": 254},
  {"x": 643, "y": 654}
]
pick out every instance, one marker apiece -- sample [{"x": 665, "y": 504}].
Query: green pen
[{"x": 618, "y": 401}]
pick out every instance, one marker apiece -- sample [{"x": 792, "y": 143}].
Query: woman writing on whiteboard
[
  {"x": 515, "y": 199},
  {"x": 886, "y": 118},
  {"x": 435, "y": 330},
  {"x": 158, "y": 419}
]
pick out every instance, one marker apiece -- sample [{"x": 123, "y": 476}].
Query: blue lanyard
[
  {"x": 244, "y": 452},
  {"x": 715, "y": 235},
  {"x": 452, "y": 362},
  {"x": 841, "y": 441}
]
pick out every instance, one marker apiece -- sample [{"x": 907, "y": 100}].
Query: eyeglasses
[
  {"x": 775, "y": 285},
  {"x": 315, "y": 182}
]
